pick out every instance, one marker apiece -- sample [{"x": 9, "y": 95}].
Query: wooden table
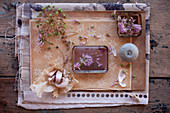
[{"x": 159, "y": 81}]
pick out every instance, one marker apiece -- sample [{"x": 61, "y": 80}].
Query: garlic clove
[
  {"x": 51, "y": 79},
  {"x": 58, "y": 77},
  {"x": 63, "y": 84},
  {"x": 50, "y": 74}
]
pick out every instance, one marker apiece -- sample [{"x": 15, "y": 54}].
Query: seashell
[
  {"x": 129, "y": 52},
  {"x": 63, "y": 84},
  {"x": 58, "y": 77}
]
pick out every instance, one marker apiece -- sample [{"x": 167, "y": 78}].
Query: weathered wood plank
[
  {"x": 158, "y": 10},
  {"x": 8, "y": 62},
  {"x": 160, "y": 56},
  {"x": 158, "y": 100},
  {"x": 160, "y": 38},
  {"x": 7, "y": 15}
]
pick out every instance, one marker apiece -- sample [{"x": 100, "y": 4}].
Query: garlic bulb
[{"x": 57, "y": 79}]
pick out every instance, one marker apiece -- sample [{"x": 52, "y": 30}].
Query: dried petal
[
  {"x": 121, "y": 77},
  {"x": 97, "y": 36},
  {"x": 65, "y": 60},
  {"x": 114, "y": 83},
  {"x": 49, "y": 88},
  {"x": 83, "y": 43},
  {"x": 112, "y": 51},
  {"x": 77, "y": 65}
]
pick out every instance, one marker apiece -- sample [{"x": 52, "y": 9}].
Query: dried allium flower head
[
  {"x": 126, "y": 25},
  {"x": 51, "y": 25},
  {"x": 85, "y": 60}
]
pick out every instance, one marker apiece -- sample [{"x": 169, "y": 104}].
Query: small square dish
[
  {"x": 90, "y": 59},
  {"x": 129, "y": 24}
]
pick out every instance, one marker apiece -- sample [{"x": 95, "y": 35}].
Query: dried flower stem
[
  {"x": 48, "y": 42},
  {"x": 52, "y": 24},
  {"x": 64, "y": 57},
  {"x": 73, "y": 33}
]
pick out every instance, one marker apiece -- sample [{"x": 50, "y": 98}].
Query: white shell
[{"x": 129, "y": 52}]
